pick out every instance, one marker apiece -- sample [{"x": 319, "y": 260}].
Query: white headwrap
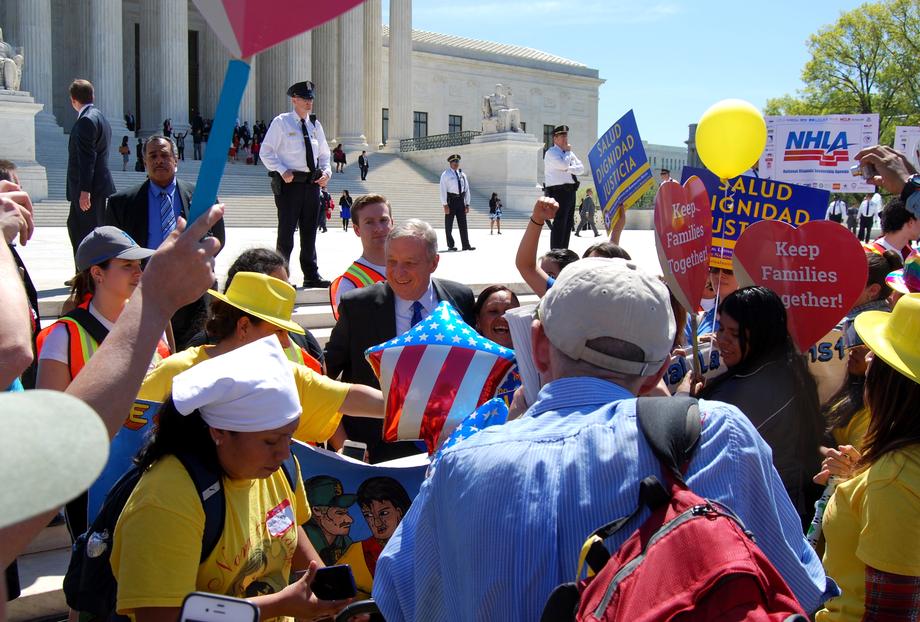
[{"x": 250, "y": 389}]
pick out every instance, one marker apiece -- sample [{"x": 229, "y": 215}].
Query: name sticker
[{"x": 280, "y": 519}]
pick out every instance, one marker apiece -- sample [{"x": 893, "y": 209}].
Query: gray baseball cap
[
  {"x": 52, "y": 447},
  {"x": 599, "y": 297},
  {"x": 104, "y": 243}
]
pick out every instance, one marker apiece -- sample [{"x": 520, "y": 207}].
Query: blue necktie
[
  {"x": 167, "y": 215},
  {"x": 416, "y": 313}
]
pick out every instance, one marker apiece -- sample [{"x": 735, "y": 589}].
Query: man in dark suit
[
  {"x": 89, "y": 181},
  {"x": 149, "y": 212},
  {"x": 363, "y": 165},
  {"x": 371, "y": 315}
]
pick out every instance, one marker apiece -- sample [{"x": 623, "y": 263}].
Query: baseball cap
[
  {"x": 52, "y": 447},
  {"x": 324, "y": 490},
  {"x": 600, "y": 297},
  {"x": 104, "y": 243},
  {"x": 263, "y": 296}
]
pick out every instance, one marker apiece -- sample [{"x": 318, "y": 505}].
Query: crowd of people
[{"x": 184, "y": 378}]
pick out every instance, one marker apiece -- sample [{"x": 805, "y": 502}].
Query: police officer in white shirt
[
  {"x": 560, "y": 167},
  {"x": 296, "y": 155},
  {"x": 868, "y": 210},
  {"x": 836, "y": 210},
  {"x": 455, "y": 198}
]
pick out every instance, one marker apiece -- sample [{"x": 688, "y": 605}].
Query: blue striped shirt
[{"x": 501, "y": 520}]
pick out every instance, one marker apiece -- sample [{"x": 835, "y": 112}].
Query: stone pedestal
[
  {"x": 17, "y": 141},
  {"x": 505, "y": 163}
]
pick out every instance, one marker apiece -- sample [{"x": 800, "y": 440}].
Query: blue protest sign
[
  {"x": 620, "y": 168},
  {"x": 355, "y": 507},
  {"x": 742, "y": 201}
]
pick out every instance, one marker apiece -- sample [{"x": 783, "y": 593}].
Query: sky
[{"x": 668, "y": 60}]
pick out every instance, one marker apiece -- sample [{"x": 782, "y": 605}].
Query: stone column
[
  {"x": 351, "y": 80},
  {"x": 32, "y": 30},
  {"x": 106, "y": 72},
  {"x": 273, "y": 82},
  {"x": 129, "y": 44},
  {"x": 325, "y": 70},
  {"x": 164, "y": 66},
  {"x": 400, "y": 78},
  {"x": 373, "y": 65},
  {"x": 247, "y": 111},
  {"x": 214, "y": 63}
]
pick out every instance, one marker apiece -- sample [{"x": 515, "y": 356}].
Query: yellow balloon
[{"x": 730, "y": 137}]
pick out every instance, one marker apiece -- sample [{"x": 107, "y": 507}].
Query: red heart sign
[
  {"x": 683, "y": 234},
  {"x": 818, "y": 270}
]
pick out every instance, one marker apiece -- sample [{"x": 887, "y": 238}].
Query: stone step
[
  {"x": 51, "y": 538},
  {"x": 41, "y": 576}
]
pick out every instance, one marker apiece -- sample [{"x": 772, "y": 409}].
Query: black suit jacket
[
  {"x": 88, "y": 156},
  {"x": 128, "y": 210},
  {"x": 362, "y": 162},
  {"x": 367, "y": 317}
]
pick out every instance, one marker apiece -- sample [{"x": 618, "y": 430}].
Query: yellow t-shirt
[
  {"x": 854, "y": 433},
  {"x": 157, "y": 544},
  {"x": 320, "y": 397},
  {"x": 872, "y": 520}
]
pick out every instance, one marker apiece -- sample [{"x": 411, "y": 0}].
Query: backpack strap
[
  {"x": 89, "y": 323},
  {"x": 208, "y": 484},
  {"x": 671, "y": 425}
]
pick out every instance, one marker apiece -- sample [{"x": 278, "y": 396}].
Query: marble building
[{"x": 159, "y": 59}]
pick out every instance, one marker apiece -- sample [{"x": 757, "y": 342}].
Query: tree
[{"x": 863, "y": 63}]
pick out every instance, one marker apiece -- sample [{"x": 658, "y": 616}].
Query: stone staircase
[{"x": 412, "y": 191}]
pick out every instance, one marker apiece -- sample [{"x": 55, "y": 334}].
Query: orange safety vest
[
  {"x": 360, "y": 275},
  {"x": 298, "y": 355},
  {"x": 82, "y": 344}
]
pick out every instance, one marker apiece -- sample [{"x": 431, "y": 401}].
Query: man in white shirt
[
  {"x": 560, "y": 168},
  {"x": 836, "y": 209},
  {"x": 296, "y": 154},
  {"x": 869, "y": 208},
  {"x": 455, "y": 198}
]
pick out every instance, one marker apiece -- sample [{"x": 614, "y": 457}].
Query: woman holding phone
[{"x": 235, "y": 413}]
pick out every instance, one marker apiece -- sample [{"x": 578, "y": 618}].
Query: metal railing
[{"x": 438, "y": 141}]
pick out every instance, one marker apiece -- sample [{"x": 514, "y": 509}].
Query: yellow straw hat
[
  {"x": 263, "y": 296},
  {"x": 894, "y": 337}
]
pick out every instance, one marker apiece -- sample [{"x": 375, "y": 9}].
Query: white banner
[
  {"x": 818, "y": 151},
  {"x": 907, "y": 141}
]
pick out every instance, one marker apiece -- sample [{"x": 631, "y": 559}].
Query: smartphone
[
  {"x": 355, "y": 449},
  {"x": 203, "y": 607},
  {"x": 334, "y": 583}
]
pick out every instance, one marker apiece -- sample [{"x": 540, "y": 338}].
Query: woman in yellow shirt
[
  {"x": 872, "y": 522},
  {"x": 236, "y": 413}
]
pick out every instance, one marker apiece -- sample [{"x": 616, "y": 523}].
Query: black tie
[
  {"x": 306, "y": 141},
  {"x": 459, "y": 184}
]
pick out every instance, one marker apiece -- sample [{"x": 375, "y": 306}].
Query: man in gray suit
[
  {"x": 89, "y": 181},
  {"x": 587, "y": 214}
]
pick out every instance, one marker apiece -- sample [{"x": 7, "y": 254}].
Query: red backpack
[{"x": 691, "y": 560}]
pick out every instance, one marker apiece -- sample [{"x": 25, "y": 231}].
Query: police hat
[
  {"x": 303, "y": 90},
  {"x": 453, "y": 157},
  {"x": 561, "y": 129},
  {"x": 324, "y": 490}
]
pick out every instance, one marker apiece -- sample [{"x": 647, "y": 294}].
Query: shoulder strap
[
  {"x": 89, "y": 323},
  {"x": 671, "y": 425},
  {"x": 210, "y": 490}
]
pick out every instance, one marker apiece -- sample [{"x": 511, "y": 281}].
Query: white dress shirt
[
  {"x": 283, "y": 148},
  {"x": 836, "y": 208},
  {"x": 449, "y": 184},
  {"x": 871, "y": 207},
  {"x": 403, "y": 309},
  {"x": 559, "y": 166}
]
